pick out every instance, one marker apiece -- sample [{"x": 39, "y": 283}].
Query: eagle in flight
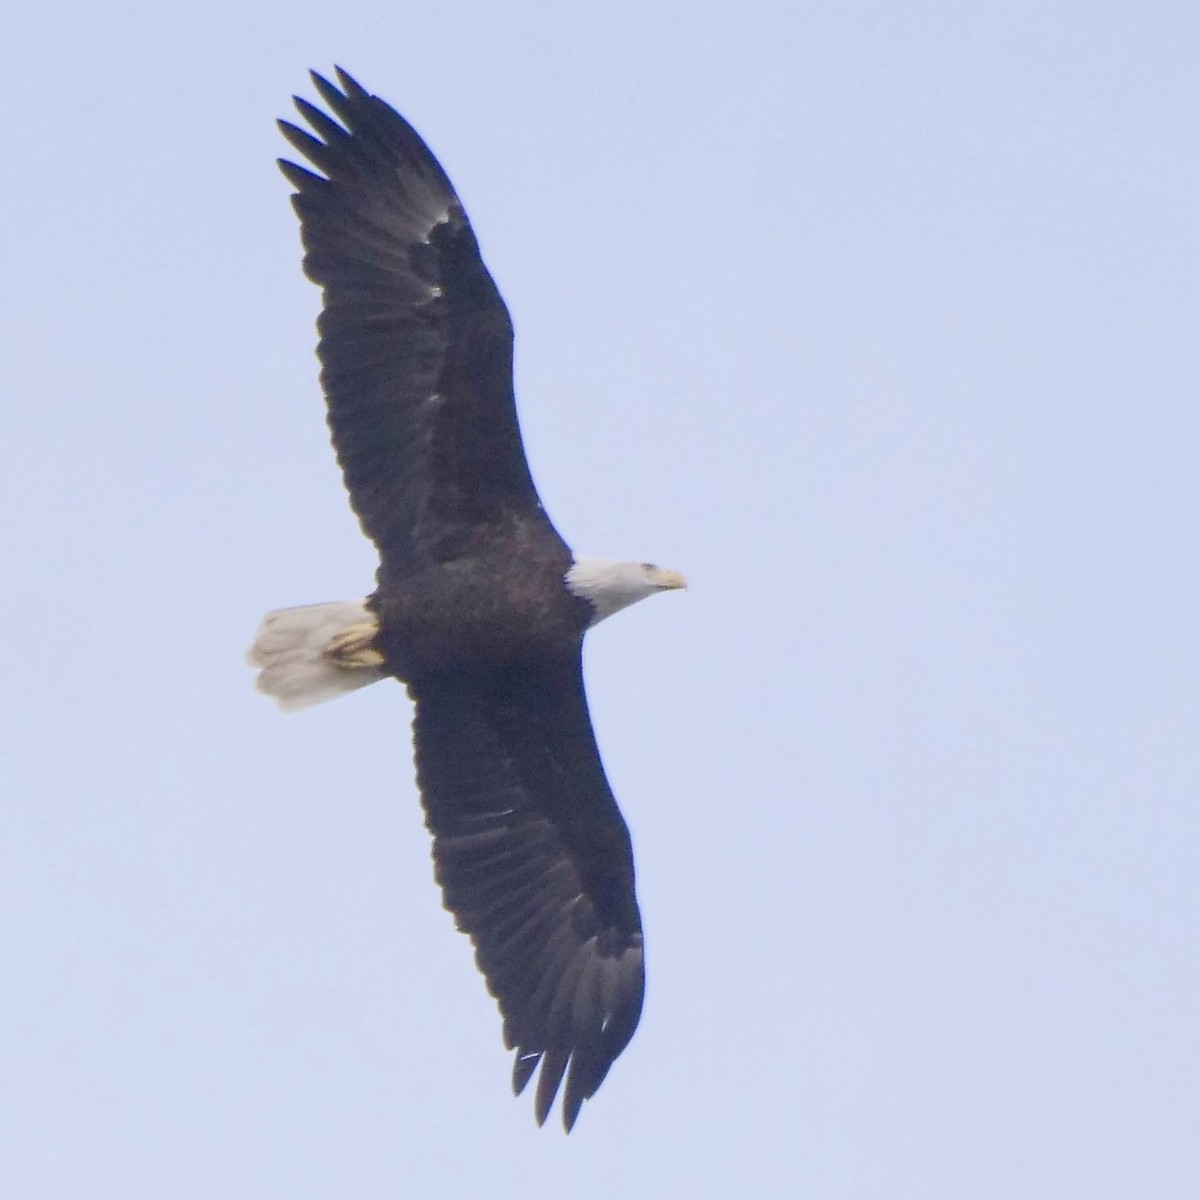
[{"x": 480, "y": 607}]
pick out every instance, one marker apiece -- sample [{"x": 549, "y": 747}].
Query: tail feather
[{"x": 292, "y": 650}]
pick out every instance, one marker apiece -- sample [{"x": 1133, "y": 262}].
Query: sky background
[{"x": 878, "y": 320}]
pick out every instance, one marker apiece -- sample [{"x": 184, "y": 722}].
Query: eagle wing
[
  {"x": 535, "y": 863},
  {"x": 416, "y": 343}
]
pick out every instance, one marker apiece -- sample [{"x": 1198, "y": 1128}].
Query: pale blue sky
[{"x": 881, "y": 322}]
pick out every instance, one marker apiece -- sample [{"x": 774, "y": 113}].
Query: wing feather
[
  {"x": 535, "y": 863},
  {"x": 415, "y": 340}
]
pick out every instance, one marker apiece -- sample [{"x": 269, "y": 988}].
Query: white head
[{"x": 612, "y": 585}]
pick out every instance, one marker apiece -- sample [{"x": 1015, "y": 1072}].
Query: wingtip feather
[
  {"x": 330, "y": 94},
  {"x": 350, "y": 85},
  {"x": 523, "y": 1068},
  {"x": 554, "y": 1063}
]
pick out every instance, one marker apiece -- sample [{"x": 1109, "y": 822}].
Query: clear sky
[{"x": 878, "y": 320}]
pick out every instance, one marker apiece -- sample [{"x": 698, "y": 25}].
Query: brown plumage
[{"x": 480, "y": 606}]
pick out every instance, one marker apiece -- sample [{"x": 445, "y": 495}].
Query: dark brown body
[{"x": 507, "y": 606}]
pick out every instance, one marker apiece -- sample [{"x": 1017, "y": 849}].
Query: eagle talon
[{"x": 354, "y": 648}]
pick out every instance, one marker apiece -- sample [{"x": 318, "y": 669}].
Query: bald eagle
[{"x": 480, "y": 607}]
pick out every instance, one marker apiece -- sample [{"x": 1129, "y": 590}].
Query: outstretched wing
[
  {"x": 415, "y": 340},
  {"x": 535, "y": 863}
]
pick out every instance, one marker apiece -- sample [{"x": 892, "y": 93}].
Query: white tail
[{"x": 309, "y": 654}]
